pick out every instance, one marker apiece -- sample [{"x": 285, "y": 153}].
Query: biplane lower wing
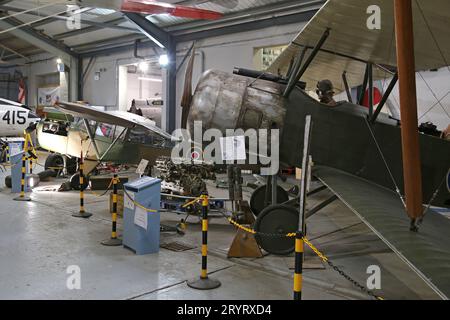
[{"x": 426, "y": 252}]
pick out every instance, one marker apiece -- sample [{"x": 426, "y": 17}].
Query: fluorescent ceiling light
[
  {"x": 164, "y": 60},
  {"x": 143, "y": 66}
]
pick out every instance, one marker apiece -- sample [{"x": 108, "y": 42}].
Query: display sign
[
  {"x": 142, "y": 166},
  {"x": 141, "y": 217},
  {"x": 233, "y": 148},
  {"x": 48, "y": 96},
  {"x": 158, "y": 102}
]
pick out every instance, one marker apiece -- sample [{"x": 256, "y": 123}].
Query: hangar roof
[{"x": 106, "y": 28}]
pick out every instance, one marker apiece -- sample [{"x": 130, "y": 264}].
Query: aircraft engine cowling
[{"x": 227, "y": 101}]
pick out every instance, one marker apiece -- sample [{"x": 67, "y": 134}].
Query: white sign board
[
  {"x": 142, "y": 166},
  {"x": 233, "y": 148},
  {"x": 15, "y": 148},
  {"x": 141, "y": 217},
  {"x": 48, "y": 96},
  {"x": 127, "y": 202}
]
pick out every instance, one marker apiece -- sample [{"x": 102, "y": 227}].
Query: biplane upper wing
[
  {"x": 351, "y": 44},
  {"x": 120, "y": 118},
  {"x": 426, "y": 252}
]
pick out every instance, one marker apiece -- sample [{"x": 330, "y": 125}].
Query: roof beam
[
  {"x": 255, "y": 25},
  {"x": 14, "y": 52},
  {"x": 65, "y": 17},
  {"x": 154, "y": 33},
  {"x": 73, "y": 33},
  {"x": 37, "y": 39},
  {"x": 247, "y": 26}
]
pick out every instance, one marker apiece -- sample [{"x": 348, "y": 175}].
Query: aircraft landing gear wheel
[
  {"x": 277, "y": 219},
  {"x": 53, "y": 162},
  {"x": 259, "y": 195},
  {"x": 8, "y": 182},
  {"x": 75, "y": 182}
]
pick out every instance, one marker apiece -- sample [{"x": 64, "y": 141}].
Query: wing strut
[
  {"x": 307, "y": 63},
  {"x": 347, "y": 88},
  {"x": 385, "y": 97},
  {"x": 412, "y": 170},
  {"x": 92, "y": 137},
  {"x": 112, "y": 144}
]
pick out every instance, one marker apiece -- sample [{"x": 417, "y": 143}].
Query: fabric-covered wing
[
  {"x": 350, "y": 36},
  {"x": 120, "y": 118},
  {"x": 426, "y": 252}
]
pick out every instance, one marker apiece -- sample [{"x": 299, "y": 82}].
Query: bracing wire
[
  {"x": 433, "y": 197},
  {"x": 434, "y": 95},
  {"x": 441, "y": 52},
  {"x": 434, "y": 105},
  {"x": 397, "y": 189}
]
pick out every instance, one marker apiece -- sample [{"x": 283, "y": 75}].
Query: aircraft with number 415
[{"x": 15, "y": 118}]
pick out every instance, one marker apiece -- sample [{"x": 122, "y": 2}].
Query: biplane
[
  {"x": 114, "y": 136},
  {"x": 15, "y": 118},
  {"x": 383, "y": 169}
]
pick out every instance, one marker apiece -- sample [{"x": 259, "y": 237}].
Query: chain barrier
[
  {"x": 323, "y": 257},
  {"x": 137, "y": 203},
  {"x": 107, "y": 189}
]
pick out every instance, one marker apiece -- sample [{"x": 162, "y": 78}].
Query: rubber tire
[
  {"x": 75, "y": 182},
  {"x": 287, "y": 222},
  {"x": 54, "y": 160},
  {"x": 8, "y": 182},
  {"x": 256, "y": 205},
  {"x": 46, "y": 175}
]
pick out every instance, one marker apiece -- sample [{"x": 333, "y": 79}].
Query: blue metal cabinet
[
  {"x": 16, "y": 153},
  {"x": 146, "y": 191}
]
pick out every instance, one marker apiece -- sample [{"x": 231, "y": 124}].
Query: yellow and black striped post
[
  {"x": 82, "y": 213},
  {"x": 298, "y": 277},
  {"x": 114, "y": 241},
  {"x": 22, "y": 196},
  {"x": 7, "y": 153},
  {"x": 204, "y": 283}
]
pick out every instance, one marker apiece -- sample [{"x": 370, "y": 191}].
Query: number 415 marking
[{"x": 10, "y": 117}]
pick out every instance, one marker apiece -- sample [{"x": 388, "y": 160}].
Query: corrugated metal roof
[{"x": 100, "y": 15}]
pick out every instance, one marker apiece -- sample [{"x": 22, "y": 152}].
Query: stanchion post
[
  {"x": 22, "y": 196},
  {"x": 204, "y": 283},
  {"x": 298, "y": 277},
  {"x": 114, "y": 240},
  {"x": 82, "y": 213},
  {"x": 7, "y": 153}
]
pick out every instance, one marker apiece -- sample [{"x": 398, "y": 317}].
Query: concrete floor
[{"x": 40, "y": 239}]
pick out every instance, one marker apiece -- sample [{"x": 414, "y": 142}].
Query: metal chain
[
  {"x": 323, "y": 257},
  {"x": 354, "y": 282},
  {"x": 107, "y": 189}
]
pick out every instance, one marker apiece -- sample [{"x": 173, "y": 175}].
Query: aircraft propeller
[{"x": 186, "y": 99}]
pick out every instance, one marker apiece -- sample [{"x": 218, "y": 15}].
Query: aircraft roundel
[
  {"x": 377, "y": 96},
  {"x": 196, "y": 154}
]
